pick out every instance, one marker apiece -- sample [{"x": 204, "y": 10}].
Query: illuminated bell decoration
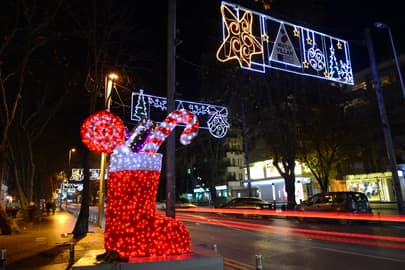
[{"x": 132, "y": 226}]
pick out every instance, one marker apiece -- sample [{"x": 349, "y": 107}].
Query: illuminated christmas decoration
[
  {"x": 239, "y": 43},
  {"x": 211, "y": 117},
  {"x": 250, "y": 38},
  {"x": 141, "y": 133},
  {"x": 132, "y": 226},
  {"x": 102, "y": 132},
  {"x": 283, "y": 50},
  {"x": 140, "y": 108},
  {"x": 181, "y": 116}
]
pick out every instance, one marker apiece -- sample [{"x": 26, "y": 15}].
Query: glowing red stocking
[{"x": 133, "y": 228}]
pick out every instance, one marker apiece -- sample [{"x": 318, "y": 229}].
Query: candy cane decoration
[
  {"x": 139, "y": 137},
  {"x": 166, "y": 127}
]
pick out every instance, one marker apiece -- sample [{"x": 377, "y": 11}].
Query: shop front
[
  {"x": 378, "y": 187},
  {"x": 202, "y": 195},
  {"x": 273, "y": 189},
  {"x": 268, "y": 184}
]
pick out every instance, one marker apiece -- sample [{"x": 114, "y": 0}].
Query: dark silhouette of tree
[
  {"x": 209, "y": 162},
  {"x": 323, "y": 133},
  {"x": 276, "y": 134},
  {"x": 26, "y": 32},
  {"x": 108, "y": 32}
]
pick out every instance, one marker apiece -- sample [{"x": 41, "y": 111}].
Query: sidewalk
[{"x": 44, "y": 244}]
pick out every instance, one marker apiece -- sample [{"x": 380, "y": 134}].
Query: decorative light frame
[
  {"x": 214, "y": 118},
  {"x": 258, "y": 41}
]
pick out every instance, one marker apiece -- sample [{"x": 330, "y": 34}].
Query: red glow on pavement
[
  {"x": 306, "y": 214},
  {"x": 352, "y": 238}
]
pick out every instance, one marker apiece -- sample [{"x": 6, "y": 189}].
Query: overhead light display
[
  {"x": 214, "y": 118},
  {"x": 258, "y": 41}
]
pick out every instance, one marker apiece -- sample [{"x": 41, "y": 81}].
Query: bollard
[
  {"x": 71, "y": 254},
  {"x": 3, "y": 257},
  {"x": 215, "y": 248},
  {"x": 259, "y": 262}
]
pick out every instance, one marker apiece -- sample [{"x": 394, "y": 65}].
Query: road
[
  {"x": 286, "y": 243},
  {"x": 289, "y": 244}
]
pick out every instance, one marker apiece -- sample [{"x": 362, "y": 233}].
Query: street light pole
[
  {"x": 246, "y": 149},
  {"x": 381, "y": 25},
  {"x": 109, "y": 82},
  {"x": 385, "y": 123},
  {"x": 171, "y": 89},
  {"x": 71, "y": 150}
]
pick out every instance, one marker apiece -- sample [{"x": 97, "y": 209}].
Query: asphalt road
[{"x": 289, "y": 244}]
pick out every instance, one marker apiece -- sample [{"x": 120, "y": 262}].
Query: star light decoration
[
  {"x": 296, "y": 32},
  {"x": 240, "y": 43},
  {"x": 132, "y": 226}
]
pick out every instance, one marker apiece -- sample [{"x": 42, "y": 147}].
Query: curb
[{"x": 236, "y": 265}]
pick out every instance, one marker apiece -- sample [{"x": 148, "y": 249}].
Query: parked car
[
  {"x": 348, "y": 201},
  {"x": 180, "y": 203},
  {"x": 12, "y": 209},
  {"x": 247, "y": 203},
  {"x": 184, "y": 203}
]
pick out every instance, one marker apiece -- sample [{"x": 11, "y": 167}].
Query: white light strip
[{"x": 123, "y": 159}]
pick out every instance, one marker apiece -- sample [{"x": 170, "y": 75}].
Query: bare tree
[
  {"x": 323, "y": 136},
  {"x": 23, "y": 35},
  {"x": 210, "y": 162},
  {"x": 109, "y": 35}
]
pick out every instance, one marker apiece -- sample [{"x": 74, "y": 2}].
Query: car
[
  {"x": 180, "y": 203},
  {"x": 184, "y": 203},
  {"x": 12, "y": 209},
  {"x": 343, "y": 201},
  {"x": 247, "y": 203}
]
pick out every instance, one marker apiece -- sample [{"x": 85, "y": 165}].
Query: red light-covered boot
[{"x": 133, "y": 228}]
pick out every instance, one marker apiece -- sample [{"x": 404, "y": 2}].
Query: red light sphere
[{"x": 102, "y": 131}]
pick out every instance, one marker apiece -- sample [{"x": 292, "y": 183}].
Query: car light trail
[
  {"x": 352, "y": 238},
  {"x": 298, "y": 214}
]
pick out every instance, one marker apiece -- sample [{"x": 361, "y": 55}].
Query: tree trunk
[
  {"x": 290, "y": 189},
  {"x": 82, "y": 224},
  {"x": 213, "y": 194},
  {"x": 5, "y": 226},
  {"x": 325, "y": 183}
]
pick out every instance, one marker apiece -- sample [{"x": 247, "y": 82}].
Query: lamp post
[
  {"x": 66, "y": 180},
  {"x": 71, "y": 150},
  {"x": 385, "y": 123},
  {"x": 109, "y": 82},
  {"x": 381, "y": 25},
  {"x": 171, "y": 90}
]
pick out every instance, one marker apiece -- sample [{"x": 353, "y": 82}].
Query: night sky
[{"x": 199, "y": 33}]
